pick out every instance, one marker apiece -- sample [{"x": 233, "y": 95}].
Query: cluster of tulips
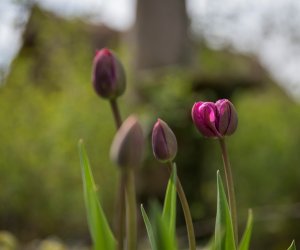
[{"x": 213, "y": 120}]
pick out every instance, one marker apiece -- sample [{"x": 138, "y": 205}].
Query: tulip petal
[
  {"x": 228, "y": 117},
  {"x": 224, "y": 115},
  {"x": 205, "y": 115}
]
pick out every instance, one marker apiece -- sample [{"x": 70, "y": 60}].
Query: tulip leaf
[
  {"x": 211, "y": 244},
  {"x": 292, "y": 246},
  {"x": 161, "y": 232},
  {"x": 224, "y": 236},
  {"x": 164, "y": 239},
  {"x": 169, "y": 210},
  {"x": 99, "y": 228},
  {"x": 148, "y": 228},
  {"x": 245, "y": 241}
]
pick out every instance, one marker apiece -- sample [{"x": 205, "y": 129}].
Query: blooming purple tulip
[
  {"x": 215, "y": 120},
  {"x": 164, "y": 143},
  {"x": 108, "y": 75}
]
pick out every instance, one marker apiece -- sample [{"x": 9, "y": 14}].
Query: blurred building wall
[{"x": 161, "y": 34}]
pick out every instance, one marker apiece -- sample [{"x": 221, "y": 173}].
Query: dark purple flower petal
[{"x": 228, "y": 117}]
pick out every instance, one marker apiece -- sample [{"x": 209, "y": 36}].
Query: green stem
[
  {"x": 116, "y": 113},
  {"x": 186, "y": 212},
  {"x": 131, "y": 210},
  {"x": 120, "y": 223},
  {"x": 120, "y": 206},
  {"x": 230, "y": 188}
]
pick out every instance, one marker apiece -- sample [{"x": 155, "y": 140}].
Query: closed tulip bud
[
  {"x": 108, "y": 75},
  {"x": 215, "y": 120},
  {"x": 164, "y": 143},
  {"x": 128, "y": 144}
]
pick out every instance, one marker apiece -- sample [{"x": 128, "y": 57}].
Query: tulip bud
[
  {"x": 164, "y": 143},
  {"x": 128, "y": 145},
  {"x": 215, "y": 120},
  {"x": 108, "y": 75}
]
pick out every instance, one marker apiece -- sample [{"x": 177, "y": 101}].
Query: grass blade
[
  {"x": 169, "y": 210},
  {"x": 292, "y": 246},
  {"x": 148, "y": 228},
  {"x": 245, "y": 242},
  {"x": 99, "y": 228},
  {"x": 224, "y": 237}
]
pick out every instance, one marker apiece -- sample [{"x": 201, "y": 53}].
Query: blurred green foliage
[{"x": 47, "y": 105}]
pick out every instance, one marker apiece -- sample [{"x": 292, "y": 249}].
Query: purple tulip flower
[
  {"x": 128, "y": 144},
  {"x": 164, "y": 143},
  {"x": 215, "y": 120},
  {"x": 108, "y": 75}
]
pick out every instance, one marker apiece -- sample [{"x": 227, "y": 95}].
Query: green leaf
[
  {"x": 211, "y": 244},
  {"x": 161, "y": 232},
  {"x": 245, "y": 242},
  {"x": 224, "y": 237},
  {"x": 164, "y": 239},
  {"x": 169, "y": 210},
  {"x": 148, "y": 228},
  {"x": 101, "y": 234},
  {"x": 292, "y": 246}
]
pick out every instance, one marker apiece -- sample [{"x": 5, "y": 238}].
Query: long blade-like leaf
[
  {"x": 169, "y": 210},
  {"x": 224, "y": 237},
  {"x": 211, "y": 244},
  {"x": 245, "y": 242},
  {"x": 292, "y": 246},
  {"x": 148, "y": 228},
  {"x": 164, "y": 239},
  {"x": 101, "y": 233}
]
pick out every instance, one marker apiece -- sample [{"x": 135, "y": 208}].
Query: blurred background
[{"x": 175, "y": 53}]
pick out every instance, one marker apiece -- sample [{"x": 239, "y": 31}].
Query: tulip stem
[
  {"x": 230, "y": 188},
  {"x": 120, "y": 212},
  {"x": 131, "y": 210},
  {"x": 120, "y": 206},
  {"x": 186, "y": 212},
  {"x": 116, "y": 113}
]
